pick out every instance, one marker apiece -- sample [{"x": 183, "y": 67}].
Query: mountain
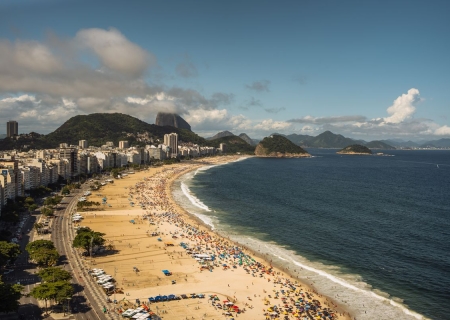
[
  {"x": 400, "y": 143},
  {"x": 247, "y": 139},
  {"x": 279, "y": 146},
  {"x": 328, "y": 139},
  {"x": 378, "y": 145},
  {"x": 97, "y": 128},
  {"x": 441, "y": 143},
  {"x": 172, "y": 120},
  {"x": 221, "y": 135},
  {"x": 233, "y": 144},
  {"x": 299, "y": 139},
  {"x": 355, "y": 149}
]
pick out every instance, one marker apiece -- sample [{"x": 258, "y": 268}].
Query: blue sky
[{"x": 364, "y": 69}]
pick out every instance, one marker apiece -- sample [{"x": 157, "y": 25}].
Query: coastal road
[{"x": 88, "y": 300}]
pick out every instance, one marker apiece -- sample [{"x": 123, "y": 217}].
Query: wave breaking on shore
[{"x": 349, "y": 290}]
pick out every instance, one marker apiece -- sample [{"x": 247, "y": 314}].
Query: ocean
[{"x": 371, "y": 232}]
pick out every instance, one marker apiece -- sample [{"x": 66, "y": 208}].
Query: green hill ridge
[
  {"x": 279, "y": 146},
  {"x": 355, "y": 149}
]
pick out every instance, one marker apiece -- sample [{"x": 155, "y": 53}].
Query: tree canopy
[
  {"x": 8, "y": 251},
  {"x": 86, "y": 238},
  {"x": 53, "y": 274},
  {"x": 10, "y": 295},
  {"x": 43, "y": 252}
]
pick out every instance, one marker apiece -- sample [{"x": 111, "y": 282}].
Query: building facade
[
  {"x": 171, "y": 140},
  {"x": 12, "y": 128}
]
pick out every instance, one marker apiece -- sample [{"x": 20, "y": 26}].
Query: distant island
[
  {"x": 355, "y": 149},
  {"x": 279, "y": 147}
]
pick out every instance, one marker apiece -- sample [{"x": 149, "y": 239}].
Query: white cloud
[
  {"x": 115, "y": 51},
  {"x": 22, "y": 98},
  {"x": 269, "y": 125},
  {"x": 403, "y": 107},
  {"x": 442, "y": 131}
]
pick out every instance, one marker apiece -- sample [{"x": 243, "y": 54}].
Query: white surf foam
[
  {"x": 346, "y": 289},
  {"x": 194, "y": 200}
]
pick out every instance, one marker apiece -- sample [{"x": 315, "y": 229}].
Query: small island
[
  {"x": 355, "y": 149},
  {"x": 277, "y": 146}
]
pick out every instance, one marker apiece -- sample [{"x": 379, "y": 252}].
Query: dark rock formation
[{"x": 171, "y": 119}]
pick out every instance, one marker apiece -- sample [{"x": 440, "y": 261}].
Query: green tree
[
  {"x": 45, "y": 291},
  {"x": 39, "y": 244},
  {"x": 48, "y": 212},
  {"x": 9, "y": 296},
  {"x": 53, "y": 274},
  {"x": 45, "y": 257},
  {"x": 29, "y": 201},
  {"x": 65, "y": 190},
  {"x": 8, "y": 251},
  {"x": 87, "y": 238},
  {"x": 43, "y": 252},
  {"x": 38, "y": 227},
  {"x": 33, "y": 207},
  {"x": 64, "y": 290}
]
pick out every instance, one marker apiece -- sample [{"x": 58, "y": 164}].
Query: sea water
[{"x": 371, "y": 232}]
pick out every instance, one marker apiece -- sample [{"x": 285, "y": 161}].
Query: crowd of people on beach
[{"x": 286, "y": 298}]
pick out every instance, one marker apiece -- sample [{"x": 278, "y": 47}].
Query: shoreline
[
  {"x": 260, "y": 256},
  {"x": 247, "y": 291}
]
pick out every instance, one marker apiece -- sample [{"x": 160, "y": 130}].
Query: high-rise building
[
  {"x": 123, "y": 144},
  {"x": 71, "y": 155},
  {"x": 171, "y": 140},
  {"x": 12, "y": 128},
  {"x": 83, "y": 144}
]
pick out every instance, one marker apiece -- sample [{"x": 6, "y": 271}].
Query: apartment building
[
  {"x": 71, "y": 155},
  {"x": 171, "y": 140},
  {"x": 124, "y": 145}
]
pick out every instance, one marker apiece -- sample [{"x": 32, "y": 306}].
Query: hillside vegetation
[
  {"x": 355, "y": 149},
  {"x": 278, "y": 146},
  {"x": 97, "y": 129},
  {"x": 234, "y": 144}
]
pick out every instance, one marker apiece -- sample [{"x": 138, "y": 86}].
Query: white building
[
  {"x": 83, "y": 144},
  {"x": 123, "y": 145},
  {"x": 171, "y": 140}
]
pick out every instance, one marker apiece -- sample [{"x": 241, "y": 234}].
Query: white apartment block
[
  {"x": 123, "y": 145},
  {"x": 171, "y": 140},
  {"x": 156, "y": 153}
]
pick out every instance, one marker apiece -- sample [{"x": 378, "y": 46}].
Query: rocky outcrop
[
  {"x": 247, "y": 139},
  {"x": 355, "y": 149},
  {"x": 276, "y": 146},
  {"x": 171, "y": 119}
]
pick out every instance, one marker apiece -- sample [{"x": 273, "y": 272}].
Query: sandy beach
[{"x": 148, "y": 232}]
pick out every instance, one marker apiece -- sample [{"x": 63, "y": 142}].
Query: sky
[{"x": 368, "y": 69}]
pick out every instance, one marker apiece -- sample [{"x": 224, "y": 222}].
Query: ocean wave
[
  {"x": 193, "y": 199},
  {"x": 346, "y": 289}
]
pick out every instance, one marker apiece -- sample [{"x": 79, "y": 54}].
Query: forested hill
[
  {"x": 277, "y": 145},
  {"x": 355, "y": 149},
  {"x": 97, "y": 128}
]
